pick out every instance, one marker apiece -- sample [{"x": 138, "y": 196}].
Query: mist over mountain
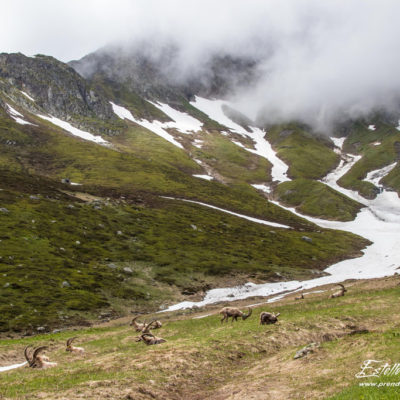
[{"x": 318, "y": 64}]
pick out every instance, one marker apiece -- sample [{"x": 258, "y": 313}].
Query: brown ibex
[
  {"x": 149, "y": 339},
  {"x": 234, "y": 313},
  {"x": 142, "y": 327},
  {"x": 73, "y": 349},
  {"x": 340, "y": 293},
  {"x": 37, "y": 360},
  {"x": 268, "y": 318}
]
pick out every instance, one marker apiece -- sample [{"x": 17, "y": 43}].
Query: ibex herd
[{"x": 36, "y": 359}]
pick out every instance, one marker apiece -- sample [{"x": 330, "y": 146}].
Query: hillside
[{"x": 204, "y": 359}]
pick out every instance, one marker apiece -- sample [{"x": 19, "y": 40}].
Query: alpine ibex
[
  {"x": 37, "y": 360},
  {"x": 235, "y": 313},
  {"x": 340, "y": 293},
  {"x": 150, "y": 339},
  {"x": 301, "y": 297},
  {"x": 142, "y": 327},
  {"x": 268, "y": 318},
  {"x": 138, "y": 325},
  {"x": 73, "y": 349}
]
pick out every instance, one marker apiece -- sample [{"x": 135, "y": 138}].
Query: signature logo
[{"x": 376, "y": 368}]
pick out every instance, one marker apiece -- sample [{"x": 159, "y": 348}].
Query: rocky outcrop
[{"x": 58, "y": 90}]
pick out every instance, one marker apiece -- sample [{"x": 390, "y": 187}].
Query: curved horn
[
  {"x": 37, "y": 351},
  {"x": 147, "y": 327},
  {"x": 277, "y": 315},
  {"x": 339, "y": 284},
  {"x": 245, "y": 316},
  {"x": 70, "y": 340},
  {"x": 26, "y": 354}
]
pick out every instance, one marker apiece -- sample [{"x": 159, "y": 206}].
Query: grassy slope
[
  {"x": 307, "y": 156},
  {"x": 360, "y": 141},
  {"x": 316, "y": 199},
  {"x": 204, "y": 359},
  {"x": 153, "y": 230}
]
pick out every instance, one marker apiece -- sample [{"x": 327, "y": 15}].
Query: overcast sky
[{"x": 324, "y": 57}]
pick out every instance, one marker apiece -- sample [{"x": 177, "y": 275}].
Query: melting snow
[
  {"x": 213, "y": 108},
  {"x": 16, "y": 116},
  {"x": 379, "y": 222},
  {"x": 338, "y": 142},
  {"x": 259, "y": 221},
  {"x": 156, "y": 127},
  {"x": 263, "y": 188},
  {"x": 206, "y": 177},
  {"x": 9, "y": 367},
  {"x": 182, "y": 122},
  {"x": 376, "y": 175},
  {"x": 27, "y": 95},
  {"x": 74, "y": 131},
  {"x": 371, "y": 127}
]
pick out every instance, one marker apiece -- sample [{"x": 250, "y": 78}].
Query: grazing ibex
[
  {"x": 37, "y": 360},
  {"x": 150, "y": 339},
  {"x": 268, "y": 318},
  {"x": 73, "y": 349},
  {"x": 235, "y": 313},
  {"x": 301, "y": 297},
  {"x": 340, "y": 293}
]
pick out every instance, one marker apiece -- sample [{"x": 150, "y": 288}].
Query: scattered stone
[
  {"x": 66, "y": 284},
  {"x": 128, "y": 270},
  {"x": 306, "y": 239},
  {"x": 112, "y": 266},
  {"x": 78, "y": 242},
  {"x": 119, "y": 232},
  {"x": 33, "y": 197},
  {"x": 194, "y": 227},
  {"x": 6, "y": 285},
  {"x": 4, "y": 210},
  {"x": 306, "y": 350},
  {"x": 40, "y": 328}
]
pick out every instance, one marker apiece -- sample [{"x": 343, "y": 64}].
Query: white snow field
[
  {"x": 182, "y": 122},
  {"x": 16, "y": 116},
  {"x": 213, "y": 108},
  {"x": 378, "y": 221},
  {"x": 74, "y": 131},
  {"x": 156, "y": 127}
]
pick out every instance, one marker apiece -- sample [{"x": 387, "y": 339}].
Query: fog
[{"x": 319, "y": 62}]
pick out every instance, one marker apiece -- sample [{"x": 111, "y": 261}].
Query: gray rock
[
  {"x": 128, "y": 270},
  {"x": 4, "y": 210},
  {"x": 6, "y": 285},
  {"x": 112, "y": 266},
  {"x": 40, "y": 328},
  {"x": 66, "y": 284},
  {"x": 306, "y": 239},
  {"x": 306, "y": 350}
]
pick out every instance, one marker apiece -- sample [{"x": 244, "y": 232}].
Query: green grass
[
  {"x": 316, "y": 199},
  {"x": 212, "y": 356},
  {"x": 307, "y": 155}
]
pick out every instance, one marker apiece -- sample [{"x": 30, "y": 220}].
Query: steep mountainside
[{"x": 119, "y": 194}]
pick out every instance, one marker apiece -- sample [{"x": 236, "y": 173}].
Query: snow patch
[
  {"x": 27, "y": 95},
  {"x": 182, "y": 122},
  {"x": 74, "y": 131},
  {"x": 371, "y": 127},
  {"x": 263, "y": 188},
  {"x": 376, "y": 175},
  {"x": 9, "y": 367},
  {"x": 213, "y": 108},
  {"x": 338, "y": 142},
  {"x": 16, "y": 116},
  {"x": 258, "y": 221},
  {"x": 156, "y": 127},
  {"x": 206, "y": 177}
]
